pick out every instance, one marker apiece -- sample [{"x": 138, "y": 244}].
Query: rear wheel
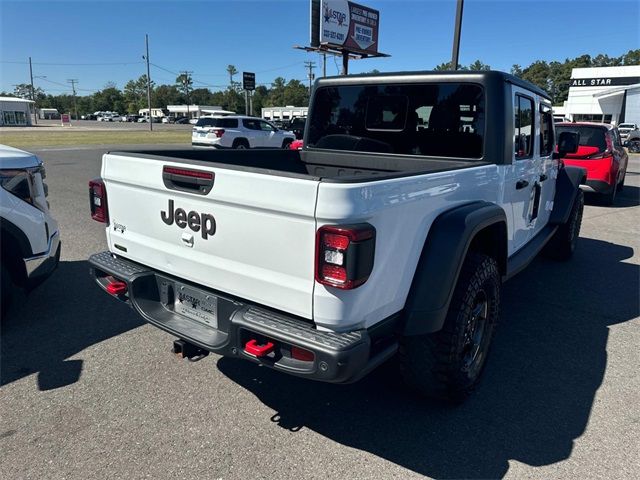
[
  {"x": 634, "y": 146},
  {"x": 241, "y": 144},
  {"x": 447, "y": 364},
  {"x": 609, "y": 198},
  {"x": 564, "y": 241},
  {"x": 621, "y": 183},
  {"x": 286, "y": 142},
  {"x": 7, "y": 289}
]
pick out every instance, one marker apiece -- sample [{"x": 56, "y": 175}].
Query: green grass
[{"x": 70, "y": 138}]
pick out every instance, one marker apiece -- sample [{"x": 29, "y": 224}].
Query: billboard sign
[
  {"x": 248, "y": 81},
  {"x": 350, "y": 26}
]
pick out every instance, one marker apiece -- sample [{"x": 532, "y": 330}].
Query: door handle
[
  {"x": 543, "y": 177},
  {"x": 520, "y": 184}
]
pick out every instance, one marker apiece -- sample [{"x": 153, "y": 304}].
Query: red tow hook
[
  {"x": 116, "y": 287},
  {"x": 253, "y": 348}
]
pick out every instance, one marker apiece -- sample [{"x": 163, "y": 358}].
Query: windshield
[
  {"x": 589, "y": 136},
  {"x": 433, "y": 119},
  {"x": 627, "y": 125}
]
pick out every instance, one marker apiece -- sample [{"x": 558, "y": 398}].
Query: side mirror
[{"x": 568, "y": 143}]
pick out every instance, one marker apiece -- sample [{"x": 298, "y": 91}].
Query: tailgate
[{"x": 252, "y": 235}]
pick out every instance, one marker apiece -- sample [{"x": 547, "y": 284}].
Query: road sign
[{"x": 248, "y": 81}]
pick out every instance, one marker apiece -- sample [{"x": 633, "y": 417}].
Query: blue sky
[{"x": 100, "y": 41}]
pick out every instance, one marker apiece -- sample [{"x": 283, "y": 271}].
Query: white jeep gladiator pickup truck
[{"x": 415, "y": 196}]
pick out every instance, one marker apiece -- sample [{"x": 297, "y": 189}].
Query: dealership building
[
  {"x": 603, "y": 94},
  {"x": 15, "y": 112},
  {"x": 284, "y": 113}
]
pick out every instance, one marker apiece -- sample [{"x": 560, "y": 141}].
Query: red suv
[{"x": 600, "y": 152}]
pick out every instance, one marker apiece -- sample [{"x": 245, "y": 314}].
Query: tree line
[
  {"x": 133, "y": 96},
  {"x": 553, "y": 77}
]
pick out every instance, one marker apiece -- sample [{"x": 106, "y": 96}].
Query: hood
[{"x": 15, "y": 158}]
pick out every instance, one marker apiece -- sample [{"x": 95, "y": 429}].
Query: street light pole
[
  {"x": 456, "y": 35},
  {"x": 33, "y": 94},
  {"x": 146, "y": 41}
]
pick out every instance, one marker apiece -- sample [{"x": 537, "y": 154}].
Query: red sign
[{"x": 66, "y": 119}]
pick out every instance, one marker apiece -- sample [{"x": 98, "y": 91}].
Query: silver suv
[{"x": 238, "y": 131}]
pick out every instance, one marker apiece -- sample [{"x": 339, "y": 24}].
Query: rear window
[
  {"x": 434, "y": 119},
  {"x": 589, "y": 136},
  {"x": 218, "y": 122}
]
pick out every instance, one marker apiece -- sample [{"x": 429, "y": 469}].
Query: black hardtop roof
[{"x": 482, "y": 76}]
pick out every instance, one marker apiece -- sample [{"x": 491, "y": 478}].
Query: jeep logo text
[{"x": 198, "y": 222}]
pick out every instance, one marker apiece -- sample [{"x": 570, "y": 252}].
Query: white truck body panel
[
  {"x": 402, "y": 211},
  {"x": 252, "y": 254}
]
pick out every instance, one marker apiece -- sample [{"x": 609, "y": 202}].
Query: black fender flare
[
  {"x": 567, "y": 186},
  {"x": 440, "y": 263}
]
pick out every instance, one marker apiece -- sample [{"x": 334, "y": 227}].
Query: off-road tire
[
  {"x": 437, "y": 365},
  {"x": 564, "y": 241},
  {"x": 634, "y": 146},
  {"x": 240, "y": 144}
]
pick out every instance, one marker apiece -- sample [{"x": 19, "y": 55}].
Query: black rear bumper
[{"x": 337, "y": 357}]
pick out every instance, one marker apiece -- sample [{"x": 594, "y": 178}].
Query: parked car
[
  {"x": 601, "y": 154},
  {"x": 30, "y": 248},
  {"x": 379, "y": 240},
  {"x": 131, "y": 118},
  {"x": 169, "y": 119},
  {"x": 237, "y": 131},
  {"x": 88, "y": 116},
  {"x": 625, "y": 129},
  {"x": 296, "y": 145},
  {"x": 297, "y": 127},
  {"x": 182, "y": 120},
  {"x": 633, "y": 141}
]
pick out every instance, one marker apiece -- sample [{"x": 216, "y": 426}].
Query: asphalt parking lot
[{"x": 91, "y": 391}]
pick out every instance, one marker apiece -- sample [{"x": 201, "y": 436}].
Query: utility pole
[
  {"x": 186, "y": 76},
  {"x": 310, "y": 75},
  {"x": 33, "y": 94},
  {"x": 73, "y": 82},
  {"x": 146, "y": 57},
  {"x": 456, "y": 35}
]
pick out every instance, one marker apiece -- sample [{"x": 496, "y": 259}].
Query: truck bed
[{"x": 329, "y": 166}]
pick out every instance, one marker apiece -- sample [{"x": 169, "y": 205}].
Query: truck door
[
  {"x": 270, "y": 138},
  {"x": 546, "y": 166},
  {"x": 522, "y": 187}
]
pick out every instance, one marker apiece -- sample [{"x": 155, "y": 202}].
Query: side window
[
  {"x": 523, "y": 127},
  {"x": 250, "y": 124},
  {"x": 266, "y": 127},
  {"x": 546, "y": 131}
]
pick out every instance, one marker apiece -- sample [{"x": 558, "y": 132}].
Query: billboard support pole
[
  {"x": 345, "y": 62},
  {"x": 456, "y": 35}
]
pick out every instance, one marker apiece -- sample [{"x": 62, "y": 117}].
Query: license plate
[
  {"x": 202, "y": 134},
  {"x": 197, "y": 305}
]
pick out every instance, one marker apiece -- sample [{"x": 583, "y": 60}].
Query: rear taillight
[
  {"x": 219, "y": 132},
  {"x": 344, "y": 255},
  {"x": 98, "y": 201}
]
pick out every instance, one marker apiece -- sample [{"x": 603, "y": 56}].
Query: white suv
[
  {"x": 625, "y": 128},
  {"x": 30, "y": 239},
  {"x": 236, "y": 131}
]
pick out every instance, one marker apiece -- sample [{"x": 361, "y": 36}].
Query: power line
[{"x": 72, "y": 64}]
